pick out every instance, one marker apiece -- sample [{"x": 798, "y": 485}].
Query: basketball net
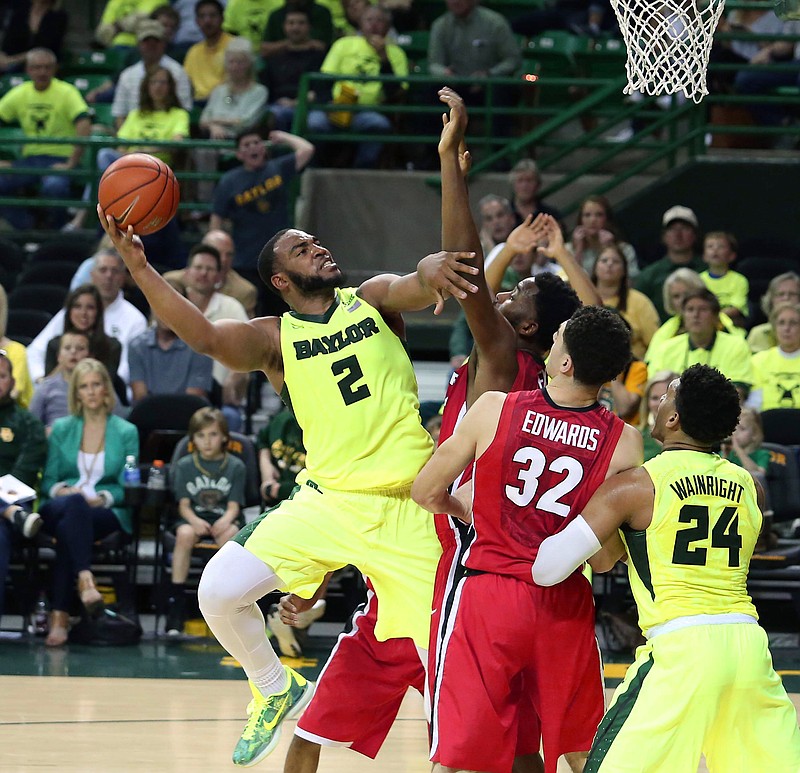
[{"x": 668, "y": 42}]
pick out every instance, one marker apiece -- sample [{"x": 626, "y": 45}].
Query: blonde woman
[
  {"x": 82, "y": 487},
  {"x": 654, "y": 390}
]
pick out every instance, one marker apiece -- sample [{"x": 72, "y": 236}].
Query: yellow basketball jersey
[
  {"x": 353, "y": 390},
  {"x": 694, "y": 556}
]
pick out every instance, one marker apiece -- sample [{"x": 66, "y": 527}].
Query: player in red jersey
[
  {"x": 539, "y": 455},
  {"x": 512, "y": 335}
]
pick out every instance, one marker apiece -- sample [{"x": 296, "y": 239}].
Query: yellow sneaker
[{"x": 263, "y": 729}]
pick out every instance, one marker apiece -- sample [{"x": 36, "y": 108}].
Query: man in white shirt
[
  {"x": 201, "y": 278},
  {"x": 151, "y": 38},
  {"x": 121, "y": 319}
]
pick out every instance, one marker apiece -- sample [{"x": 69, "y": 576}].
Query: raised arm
[
  {"x": 303, "y": 149},
  {"x": 495, "y": 339},
  {"x": 240, "y": 346},
  {"x": 576, "y": 275},
  {"x": 523, "y": 238}
]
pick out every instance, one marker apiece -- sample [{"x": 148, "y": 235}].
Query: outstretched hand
[
  {"x": 128, "y": 245},
  {"x": 441, "y": 272},
  {"x": 454, "y": 125},
  {"x": 554, "y": 239},
  {"x": 526, "y": 236}
]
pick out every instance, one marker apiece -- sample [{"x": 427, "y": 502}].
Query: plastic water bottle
[
  {"x": 156, "y": 479},
  {"x": 38, "y": 625},
  {"x": 131, "y": 472}
]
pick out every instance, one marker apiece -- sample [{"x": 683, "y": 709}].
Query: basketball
[{"x": 139, "y": 190}]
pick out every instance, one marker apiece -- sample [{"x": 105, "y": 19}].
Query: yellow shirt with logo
[
  {"x": 248, "y": 18},
  {"x": 48, "y": 113},
  {"x": 694, "y": 556},
  {"x": 778, "y": 378},
  {"x": 353, "y": 390}
]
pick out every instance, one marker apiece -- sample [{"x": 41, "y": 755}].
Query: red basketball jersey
[{"x": 541, "y": 469}]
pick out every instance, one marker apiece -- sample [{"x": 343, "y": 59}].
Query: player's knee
[{"x": 218, "y": 592}]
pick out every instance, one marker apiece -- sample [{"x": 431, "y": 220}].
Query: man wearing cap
[
  {"x": 680, "y": 230},
  {"x": 152, "y": 44}
]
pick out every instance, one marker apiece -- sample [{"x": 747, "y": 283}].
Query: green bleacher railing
[{"x": 597, "y": 104}]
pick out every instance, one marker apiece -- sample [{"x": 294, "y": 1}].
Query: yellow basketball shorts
[
  {"x": 385, "y": 535},
  {"x": 707, "y": 689}
]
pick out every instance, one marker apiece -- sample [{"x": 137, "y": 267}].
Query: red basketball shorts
[
  {"x": 361, "y": 687},
  {"x": 499, "y": 631}
]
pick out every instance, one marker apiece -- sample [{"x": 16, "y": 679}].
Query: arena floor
[{"x": 179, "y": 706}]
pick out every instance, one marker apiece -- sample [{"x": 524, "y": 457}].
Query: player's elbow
[
  {"x": 423, "y": 496},
  {"x": 546, "y": 575}
]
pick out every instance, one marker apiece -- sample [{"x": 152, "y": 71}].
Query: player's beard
[{"x": 312, "y": 284}]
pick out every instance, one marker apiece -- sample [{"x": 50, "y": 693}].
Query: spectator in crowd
[
  {"x": 583, "y": 17},
  {"x": 745, "y": 449},
  {"x": 763, "y": 80},
  {"x": 777, "y": 370},
  {"x": 284, "y": 68},
  {"x": 369, "y": 53},
  {"x": 239, "y": 100},
  {"x": 84, "y": 314},
  {"x": 676, "y": 288},
  {"x": 32, "y": 24},
  {"x": 596, "y": 229},
  {"x": 151, "y": 38},
  {"x": 121, "y": 319},
  {"x": 703, "y": 343},
  {"x": 784, "y": 288},
  {"x": 236, "y": 102},
  {"x": 120, "y": 21},
  {"x": 497, "y": 222},
  {"x": 321, "y": 30},
  {"x": 209, "y": 485},
  {"x": 254, "y": 199},
  {"x": 49, "y": 400},
  {"x": 171, "y": 21},
  {"x": 23, "y": 450},
  {"x": 281, "y": 455},
  {"x": 654, "y": 391},
  {"x": 730, "y": 287},
  {"x": 248, "y": 18},
  {"x": 204, "y": 62},
  {"x": 351, "y": 21},
  {"x": 44, "y": 106},
  {"x": 475, "y": 42},
  {"x": 679, "y": 233},
  {"x": 623, "y": 395},
  {"x": 188, "y": 32},
  {"x": 82, "y": 495},
  {"x": 201, "y": 277},
  {"x": 610, "y": 277},
  {"x": 230, "y": 281},
  {"x": 18, "y": 357},
  {"x": 159, "y": 117},
  {"x": 160, "y": 363},
  {"x": 526, "y": 183}
]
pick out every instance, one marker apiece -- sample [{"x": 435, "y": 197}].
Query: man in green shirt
[{"x": 680, "y": 230}]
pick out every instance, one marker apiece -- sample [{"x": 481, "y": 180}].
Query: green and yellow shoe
[{"x": 263, "y": 730}]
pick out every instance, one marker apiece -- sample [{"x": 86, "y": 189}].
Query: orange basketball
[{"x": 139, "y": 190}]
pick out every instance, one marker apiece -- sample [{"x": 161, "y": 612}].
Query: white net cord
[{"x": 668, "y": 42}]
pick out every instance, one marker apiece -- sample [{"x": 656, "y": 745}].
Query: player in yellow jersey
[
  {"x": 339, "y": 361},
  {"x": 689, "y": 520}
]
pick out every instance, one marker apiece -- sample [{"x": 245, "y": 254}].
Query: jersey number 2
[
  {"x": 725, "y": 534},
  {"x": 529, "y": 477},
  {"x": 350, "y": 367}
]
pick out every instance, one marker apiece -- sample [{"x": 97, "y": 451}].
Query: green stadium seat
[
  {"x": 552, "y": 55},
  {"x": 85, "y": 82},
  {"x": 10, "y": 150},
  {"x": 9, "y": 81},
  {"x": 415, "y": 44},
  {"x": 601, "y": 58},
  {"x": 102, "y": 114},
  {"x": 108, "y": 62}
]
